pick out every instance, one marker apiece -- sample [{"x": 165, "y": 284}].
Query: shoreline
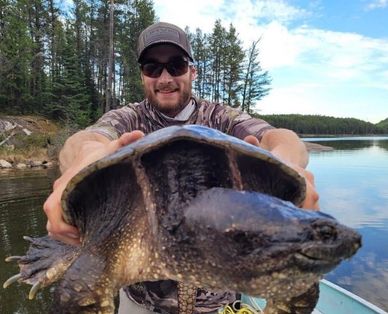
[
  {"x": 317, "y": 148},
  {"x": 29, "y": 162}
]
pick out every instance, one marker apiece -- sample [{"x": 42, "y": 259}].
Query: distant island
[{"x": 324, "y": 125}]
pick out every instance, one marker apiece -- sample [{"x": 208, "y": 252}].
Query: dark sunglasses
[{"x": 175, "y": 66}]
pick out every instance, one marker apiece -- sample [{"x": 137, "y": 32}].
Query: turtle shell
[
  {"x": 192, "y": 205},
  {"x": 173, "y": 165}
]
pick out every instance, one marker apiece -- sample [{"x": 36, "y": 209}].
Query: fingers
[
  {"x": 312, "y": 197},
  {"x": 56, "y": 226},
  {"x": 125, "y": 139},
  {"x": 130, "y": 137},
  {"x": 252, "y": 140}
]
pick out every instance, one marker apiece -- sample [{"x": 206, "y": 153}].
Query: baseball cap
[{"x": 161, "y": 33}]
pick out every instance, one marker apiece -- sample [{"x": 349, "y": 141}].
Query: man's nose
[{"x": 165, "y": 76}]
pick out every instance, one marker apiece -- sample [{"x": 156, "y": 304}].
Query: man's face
[{"x": 169, "y": 94}]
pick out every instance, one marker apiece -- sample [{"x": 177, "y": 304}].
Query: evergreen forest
[{"x": 73, "y": 64}]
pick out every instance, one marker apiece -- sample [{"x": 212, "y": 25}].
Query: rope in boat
[{"x": 242, "y": 308}]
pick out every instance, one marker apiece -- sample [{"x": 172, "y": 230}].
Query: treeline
[
  {"x": 73, "y": 65},
  {"x": 324, "y": 125},
  {"x": 61, "y": 64},
  {"x": 225, "y": 71}
]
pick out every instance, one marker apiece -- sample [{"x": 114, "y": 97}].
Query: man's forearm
[
  {"x": 286, "y": 145},
  {"x": 80, "y": 143}
]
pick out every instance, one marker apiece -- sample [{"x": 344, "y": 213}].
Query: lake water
[{"x": 353, "y": 185}]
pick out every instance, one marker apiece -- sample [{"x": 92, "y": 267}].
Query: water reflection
[
  {"x": 351, "y": 143},
  {"x": 352, "y": 181},
  {"x": 21, "y": 197},
  {"x": 353, "y": 184}
]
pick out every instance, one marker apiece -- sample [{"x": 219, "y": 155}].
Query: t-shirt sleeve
[
  {"x": 115, "y": 122},
  {"x": 250, "y": 126},
  {"x": 237, "y": 123}
]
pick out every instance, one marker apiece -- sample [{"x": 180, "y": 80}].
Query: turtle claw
[
  {"x": 29, "y": 239},
  {"x": 45, "y": 261},
  {"x": 13, "y": 258},
  {"x": 35, "y": 288},
  {"x": 11, "y": 280}
]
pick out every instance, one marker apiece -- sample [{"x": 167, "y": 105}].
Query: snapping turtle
[{"x": 196, "y": 206}]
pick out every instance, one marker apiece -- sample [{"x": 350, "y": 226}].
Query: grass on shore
[
  {"x": 43, "y": 144},
  {"x": 23, "y": 148}
]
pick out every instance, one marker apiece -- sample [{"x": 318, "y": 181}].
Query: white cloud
[
  {"x": 377, "y": 4},
  {"x": 247, "y": 15},
  {"x": 306, "y": 63}
]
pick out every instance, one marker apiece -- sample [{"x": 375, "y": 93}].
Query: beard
[{"x": 172, "y": 108}]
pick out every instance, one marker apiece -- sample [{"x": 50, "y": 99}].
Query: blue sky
[{"x": 325, "y": 57}]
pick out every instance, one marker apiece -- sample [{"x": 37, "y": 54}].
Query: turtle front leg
[
  {"x": 88, "y": 286},
  {"x": 187, "y": 295},
  {"x": 44, "y": 263},
  {"x": 301, "y": 304}
]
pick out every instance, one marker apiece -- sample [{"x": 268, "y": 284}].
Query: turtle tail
[{"x": 44, "y": 263}]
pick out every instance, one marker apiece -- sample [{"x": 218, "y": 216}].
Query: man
[{"x": 165, "y": 59}]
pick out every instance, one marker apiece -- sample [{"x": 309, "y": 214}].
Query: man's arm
[
  {"x": 80, "y": 150},
  {"x": 287, "y": 146}
]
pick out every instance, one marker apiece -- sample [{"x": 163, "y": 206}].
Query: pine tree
[
  {"x": 217, "y": 47},
  {"x": 139, "y": 15},
  {"x": 257, "y": 82},
  {"x": 232, "y": 68},
  {"x": 71, "y": 102},
  {"x": 16, "y": 53},
  {"x": 201, "y": 52}
]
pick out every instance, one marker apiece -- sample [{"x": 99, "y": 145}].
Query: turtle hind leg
[
  {"x": 44, "y": 263},
  {"x": 301, "y": 304}
]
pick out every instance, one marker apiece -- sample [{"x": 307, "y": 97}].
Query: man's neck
[{"x": 184, "y": 114}]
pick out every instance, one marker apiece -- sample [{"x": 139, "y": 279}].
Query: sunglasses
[{"x": 175, "y": 66}]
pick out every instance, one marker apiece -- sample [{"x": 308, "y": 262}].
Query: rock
[
  {"x": 5, "y": 164},
  {"x": 47, "y": 164},
  {"x": 315, "y": 147},
  {"x": 26, "y": 131},
  {"x": 35, "y": 163},
  {"x": 21, "y": 166},
  {"x": 6, "y": 125}
]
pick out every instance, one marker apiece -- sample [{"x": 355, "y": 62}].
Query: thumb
[
  {"x": 125, "y": 139},
  {"x": 130, "y": 137}
]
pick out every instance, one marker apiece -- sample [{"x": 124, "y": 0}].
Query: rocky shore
[
  {"x": 34, "y": 141},
  {"x": 29, "y": 142},
  {"x": 4, "y": 164}
]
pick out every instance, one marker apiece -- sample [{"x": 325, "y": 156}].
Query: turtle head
[{"x": 256, "y": 244}]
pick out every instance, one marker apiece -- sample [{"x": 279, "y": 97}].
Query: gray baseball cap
[{"x": 163, "y": 33}]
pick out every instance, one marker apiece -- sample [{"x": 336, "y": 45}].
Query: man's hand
[
  {"x": 311, "y": 200},
  {"x": 89, "y": 151}
]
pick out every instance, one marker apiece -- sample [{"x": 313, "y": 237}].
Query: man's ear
[{"x": 193, "y": 71}]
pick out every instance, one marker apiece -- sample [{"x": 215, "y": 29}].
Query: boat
[{"x": 332, "y": 300}]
